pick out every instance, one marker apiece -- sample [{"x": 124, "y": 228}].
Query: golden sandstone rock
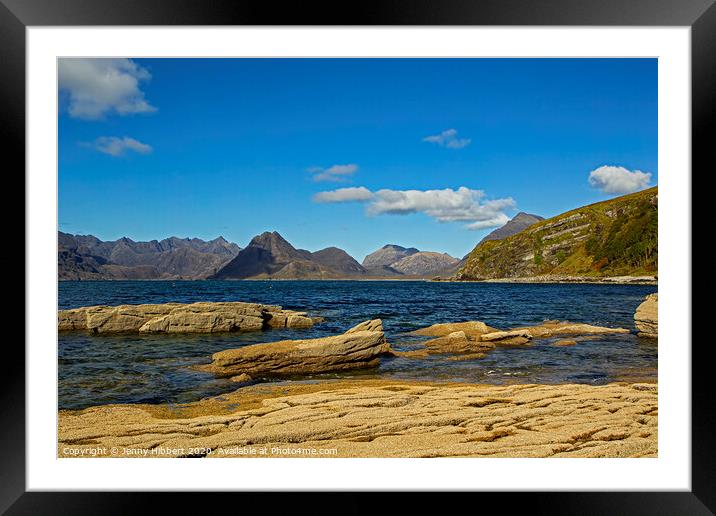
[
  {"x": 359, "y": 347},
  {"x": 457, "y": 342},
  {"x": 511, "y": 337},
  {"x": 362, "y": 346},
  {"x": 204, "y": 317},
  {"x": 646, "y": 317},
  {"x": 366, "y": 418},
  {"x": 475, "y": 338},
  {"x": 379, "y": 418},
  {"x": 471, "y": 329}
]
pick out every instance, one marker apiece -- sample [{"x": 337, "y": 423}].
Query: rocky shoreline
[
  {"x": 361, "y": 418},
  {"x": 377, "y": 418},
  {"x": 549, "y": 279}
]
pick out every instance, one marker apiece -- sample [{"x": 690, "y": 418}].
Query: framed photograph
[{"x": 406, "y": 249}]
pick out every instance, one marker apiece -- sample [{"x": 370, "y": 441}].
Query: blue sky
[{"x": 427, "y": 153}]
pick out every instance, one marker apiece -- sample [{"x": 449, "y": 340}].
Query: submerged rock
[
  {"x": 646, "y": 317},
  {"x": 359, "y": 347},
  {"x": 476, "y": 338},
  {"x": 564, "y": 342},
  {"x": 479, "y": 331},
  {"x": 241, "y": 378},
  {"x": 557, "y": 328},
  {"x": 467, "y": 357},
  {"x": 204, "y": 317},
  {"x": 457, "y": 342}
]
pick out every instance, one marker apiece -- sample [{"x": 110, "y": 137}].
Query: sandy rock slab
[
  {"x": 477, "y": 338},
  {"x": 646, "y": 317},
  {"x": 471, "y": 329},
  {"x": 359, "y": 347},
  {"x": 203, "y": 317},
  {"x": 378, "y": 418}
]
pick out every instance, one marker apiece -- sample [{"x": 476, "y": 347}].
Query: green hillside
[{"x": 617, "y": 237}]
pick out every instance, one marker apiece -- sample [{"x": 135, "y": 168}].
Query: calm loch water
[{"x": 95, "y": 370}]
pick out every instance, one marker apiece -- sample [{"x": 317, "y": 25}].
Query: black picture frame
[{"x": 17, "y": 15}]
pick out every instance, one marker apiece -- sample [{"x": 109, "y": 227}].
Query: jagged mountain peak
[{"x": 516, "y": 224}]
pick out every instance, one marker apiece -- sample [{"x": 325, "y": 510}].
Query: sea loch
[{"x": 96, "y": 370}]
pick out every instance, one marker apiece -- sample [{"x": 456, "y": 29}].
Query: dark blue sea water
[{"x": 96, "y": 370}]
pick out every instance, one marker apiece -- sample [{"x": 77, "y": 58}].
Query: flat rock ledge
[
  {"x": 360, "y": 347},
  {"x": 203, "y": 317},
  {"x": 377, "y": 418},
  {"x": 477, "y": 338},
  {"x": 646, "y": 317}
]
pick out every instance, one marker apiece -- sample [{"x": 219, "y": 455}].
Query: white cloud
[
  {"x": 97, "y": 87},
  {"x": 497, "y": 221},
  {"x": 618, "y": 180},
  {"x": 449, "y": 139},
  {"x": 447, "y": 205},
  {"x": 119, "y": 146},
  {"x": 353, "y": 194},
  {"x": 336, "y": 173}
]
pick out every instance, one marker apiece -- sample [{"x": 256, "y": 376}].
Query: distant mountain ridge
[
  {"x": 617, "y": 237},
  {"x": 518, "y": 223},
  {"x": 387, "y": 255},
  {"x": 395, "y": 260},
  {"x": 425, "y": 263},
  {"x": 86, "y": 257},
  {"x": 270, "y": 256}
]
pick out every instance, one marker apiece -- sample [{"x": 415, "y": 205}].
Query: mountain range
[
  {"x": 269, "y": 255},
  {"x": 85, "y": 257},
  {"x": 614, "y": 237}
]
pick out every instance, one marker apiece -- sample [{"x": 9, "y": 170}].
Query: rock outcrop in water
[
  {"x": 646, "y": 317},
  {"x": 358, "y": 348},
  {"x": 204, "y": 317},
  {"x": 565, "y": 328},
  {"x": 379, "y": 418},
  {"x": 470, "y": 328},
  {"x": 458, "y": 342},
  {"x": 477, "y": 338}
]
